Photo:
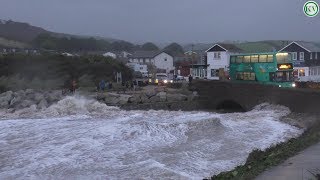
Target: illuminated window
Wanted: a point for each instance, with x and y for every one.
(311, 55)
(270, 58)
(301, 58)
(263, 58)
(246, 59)
(302, 72)
(254, 58)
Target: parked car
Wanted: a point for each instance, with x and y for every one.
(162, 78)
(180, 78)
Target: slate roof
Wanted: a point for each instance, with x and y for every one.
(310, 46)
(146, 54)
(228, 47)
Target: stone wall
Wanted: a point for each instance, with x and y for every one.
(213, 93)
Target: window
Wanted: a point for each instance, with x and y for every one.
(254, 58)
(239, 59)
(233, 59)
(302, 72)
(311, 55)
(270, 58)
(283, 76)
(141, 68)
(301, 58)
(147, 60)
(294, 55)
(316, 55)
(247, 76)
(263, 58)
(214, 72)
(246, 59)
(217, 55)
(165, 59)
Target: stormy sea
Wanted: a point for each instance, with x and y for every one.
(80, 138)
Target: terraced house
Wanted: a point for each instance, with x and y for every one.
(306, 59)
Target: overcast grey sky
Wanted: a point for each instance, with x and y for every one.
(169, 20)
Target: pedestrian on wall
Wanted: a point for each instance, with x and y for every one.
(102, 85)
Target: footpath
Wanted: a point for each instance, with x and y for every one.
(299, 167)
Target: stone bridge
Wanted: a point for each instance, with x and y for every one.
(239, 96)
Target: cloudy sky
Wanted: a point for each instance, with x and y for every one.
(166, 21)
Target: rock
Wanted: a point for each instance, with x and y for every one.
(53, 96)
(42, 104)
(111, 99)
(25, 104)
(38, 97)
(123, 99)
(195, 93)
(154, 99)
(15, 101)
(176, 97)
(162, 96)
(144, 98)
(132, 99)
(29, 91)
(5, 99)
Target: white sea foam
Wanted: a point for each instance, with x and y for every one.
(83, 139)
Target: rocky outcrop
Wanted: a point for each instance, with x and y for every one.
(144, 98)
(26, 98)
(43, 99)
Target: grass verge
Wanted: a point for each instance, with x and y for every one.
(258, 161)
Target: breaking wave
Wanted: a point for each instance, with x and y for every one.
(79, 137)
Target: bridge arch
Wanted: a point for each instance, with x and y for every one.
(229, 105)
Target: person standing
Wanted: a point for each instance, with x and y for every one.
(102, 85)
(190, 78)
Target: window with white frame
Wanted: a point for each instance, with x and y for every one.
(294, 55)
(217, 55)
(301, 58)
(311, 55)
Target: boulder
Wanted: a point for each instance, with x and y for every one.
(5, 99)
(111, 99)
(144, 98)
(38, 97)
(162, 96)
(25, 104)
(176, 97)
(42, 104)
(15, 101)
(154, 99)
(123, 99)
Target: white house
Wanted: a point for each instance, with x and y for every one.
(161, 60)
(110, 54)
(138, 67)
(218, 57)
